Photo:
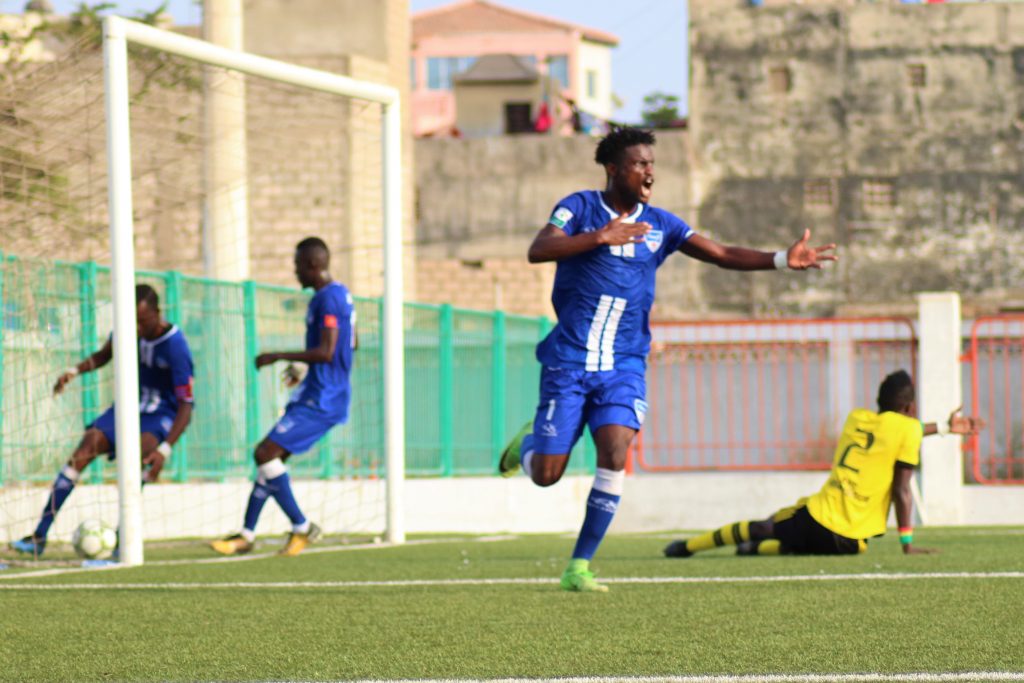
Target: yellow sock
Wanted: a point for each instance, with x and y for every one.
(769, 546)
(730, 534)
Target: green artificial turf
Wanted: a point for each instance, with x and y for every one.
(154, 632)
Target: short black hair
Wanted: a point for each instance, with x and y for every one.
(311, 243)
(611, 147)
(896, 392)
(145, 293)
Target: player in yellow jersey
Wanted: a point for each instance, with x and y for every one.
(873, 465)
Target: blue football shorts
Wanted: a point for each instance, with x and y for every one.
(570, 399)
(301, 426)
(157, 424)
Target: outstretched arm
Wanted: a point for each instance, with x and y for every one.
(903, 501)
(322, 353)
(93, 362)
(799, 256)
(552, 244)
(957, 424)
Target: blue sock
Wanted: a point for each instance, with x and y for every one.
(602, 503)
(281, 489)
(257, 499)
(62, 487)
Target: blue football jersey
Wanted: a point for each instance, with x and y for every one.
(326, 385)
(165, 372)
(603, 297)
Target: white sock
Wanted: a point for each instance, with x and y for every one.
(248, 535)
(301, 528)
(71, 473)
(272, 470)
(609, 481)
(526, 462)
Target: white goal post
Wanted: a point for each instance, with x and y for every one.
(117, 34)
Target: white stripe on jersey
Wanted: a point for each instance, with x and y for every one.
(604, 307)
(601, 337)
(610, 330)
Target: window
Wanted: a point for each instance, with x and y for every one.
(917, 74)
(819, 194)
(780, 79)
(878, 196)
(441, 70)
(591, 83)
(517, 118)
(528, 60)
(412, 73)
(558, 69)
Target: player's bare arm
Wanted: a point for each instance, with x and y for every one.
(957, 424)
(93, 362)
(321, 353)
(799, 256)
(154, 459)
(903, 502)
(552, 244)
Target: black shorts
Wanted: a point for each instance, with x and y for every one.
(800, 534)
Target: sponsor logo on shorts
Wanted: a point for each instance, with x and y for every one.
(284, 425)
(640, 408)
(548, 429)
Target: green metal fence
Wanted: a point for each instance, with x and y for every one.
(471, 377)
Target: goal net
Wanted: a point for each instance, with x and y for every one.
(197, 169)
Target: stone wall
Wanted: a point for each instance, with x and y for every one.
(314, 160)
(894, 130)
(480, 202)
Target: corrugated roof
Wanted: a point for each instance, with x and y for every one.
(480, 16)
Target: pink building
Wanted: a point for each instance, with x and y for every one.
(447, 41)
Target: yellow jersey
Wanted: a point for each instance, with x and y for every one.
(854, 502)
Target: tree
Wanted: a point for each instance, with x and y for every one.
(660, 110)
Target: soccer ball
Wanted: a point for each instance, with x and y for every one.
(94, 540)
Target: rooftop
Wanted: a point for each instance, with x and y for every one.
(481, 16)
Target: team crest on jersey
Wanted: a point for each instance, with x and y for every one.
(640, 408)
(560, 217)
(653, 240)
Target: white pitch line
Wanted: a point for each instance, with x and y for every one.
(59, 571)
(440, 583)
(920, 677)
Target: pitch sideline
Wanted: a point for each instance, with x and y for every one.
(441, 583)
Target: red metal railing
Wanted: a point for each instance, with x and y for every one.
(762, 395)
(995, 353)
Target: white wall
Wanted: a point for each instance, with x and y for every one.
(663, 502)
(595, 57)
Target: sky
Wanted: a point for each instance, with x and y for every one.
(651, 56)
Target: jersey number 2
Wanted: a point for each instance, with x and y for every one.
(846, 452)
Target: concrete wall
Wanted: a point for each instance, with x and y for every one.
(949, 149)
(480, 202)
